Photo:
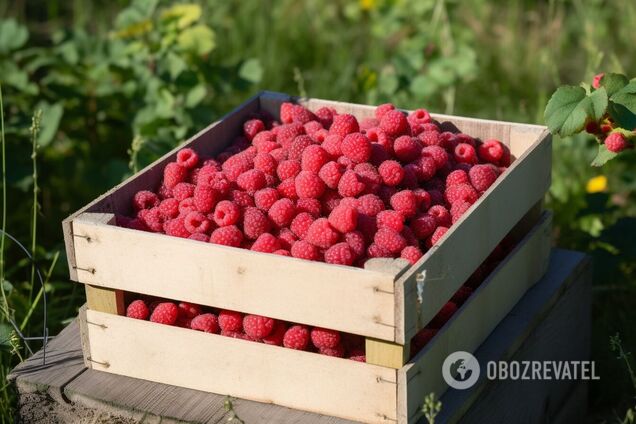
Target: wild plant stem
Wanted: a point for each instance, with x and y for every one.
(35, 302)
(35, 129)
(5, 303)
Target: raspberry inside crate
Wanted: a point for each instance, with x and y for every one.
(387, 302)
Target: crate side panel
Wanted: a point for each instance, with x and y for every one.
(249, 370)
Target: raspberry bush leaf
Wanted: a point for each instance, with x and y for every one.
(613, 83)
(626, 97)
(603, 156)
(599, 103)
(621, 115)
(568, 110)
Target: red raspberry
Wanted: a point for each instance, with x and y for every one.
(152, 218)
(344, 218)
(337, 352)
(443, 315)
(333, 145)
(350, 184)
(226, 213)
(287, 188)
(390, 240)
(277, 335)
(378, 136)
(241, 198)
(286, 238)
(340, 254)
(491, 151)
(346, 162)
(313, 158)
(465, 153)
(370, 205)
(205, 198)
(441, 215)
(458, 209)
(279, 154)
(305, 250)
(169, 208)
(461, 295)
(368, 226)
(265, 163)
(311, 206)
(138, 310)
(187, 158)
(205, 322)
(200, 237)
(391, 172)
(322, 234)
(188, 310)
(426, 168)
(174, 174)
(288, 169)
(298, 146)
(325, 116)
(357, 147)
(356, 243)
(266, 243)
(196, 222)
(214, 179)
(230, 320)
(282, 212)
(358, 355)
(227, 236)
(596, 82)
(176, 228)
(265, 198)
(405, 201)
(251, 181)
(429, 138)
(344, 124)
(301, 223)
(458, 176)
(263, 137)
(423, 198)
(145, 200)
(382, 109)
(437, 235)
(312, 127)
(286, 134)
(421, 339)
(411, 254)
(236, 165)
(165, 313)
(187, 205)
(616, 142)
(325, 338)
(368, 123)
(286, 115)
(407, 148)
(296, 337)
(465, 138)
(301, 114)
(482, 176)
(394, 123)
(252, 127)
(411, 173)
(436, 153)
(330, 174)
(391, 219)
(423, 226)
(255, 223)
(182, 191)
(308, 184)
(461, 193)
(375, 251)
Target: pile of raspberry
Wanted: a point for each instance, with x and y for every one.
(323, 186)
(249, 327)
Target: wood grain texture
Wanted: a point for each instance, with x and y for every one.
(386, 354)
(255, 371)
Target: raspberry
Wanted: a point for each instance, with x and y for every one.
(282, 212)
(441, 215)
(482, 176)
(286, 238)
(176, 228)
(616, 142)
(227, 236)
(370, 205)
(423, 226)
(423, 198)
(466, 139)
(426, 168)
(288, 169)
(266, 243)
(421, 339)
(382, 109)
(350, 184)
(301, 114)
(596, 82)
(187, 158)
(205, 198)
(205, 322)
(165, 313)
(375, 251)
(263, 137)
(252, 127)
(358, 355)
(152, 218)
(187, 205)
(418, 116)
(443, 315)
(199, 237)
(429, 138)
(411, 254)
(344, 218)
(321, 234)
(333, 145)
(461, 193)
(325, 116)
(265, 163)
(304, 250)
(407, 148)
(188, 310)
(325, 338)
(461, 295)
(230, 320)
(298, 146)
(337, 352)
(437, 235)
(145, 200)
(226, 213)
(357, 147)
(390, 219)
(391, 172)
(174, 174)
(368, 226)
(491, 151)
(344, 124)
(277, 335)
(458, 176)
(313, 158)
(311, 206)
(368, 123)
(308, 184)
(279, 154)
(390, 240)
(255, 223)
(301, 223)
(169, 208)
(196, 222)
(312, 127)
(378, 136)
(394, 123)
(465, 153)
(137, 309)
(286, 109)
(257, 326)
(241, 199)
(236, 165)
(458, 209)
(346, 162)
(405, 201)
(356, 243)
(216, 180)
(287, 188)
(251, 181)
(182, 191)
(296, 337)
(330, 174)
(436, 153)
(265, 198)
(286, 134)
(340, 254)
(411, 172)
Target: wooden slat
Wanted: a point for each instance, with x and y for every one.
(241, 368)
(474, 321)
(386, 354)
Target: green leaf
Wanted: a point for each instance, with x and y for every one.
(622, 116)
(603, 156)
(51, 116)
(568, 110)
(175, 65)
(184, 14)
(626, 96)
(599, 103)
(12, 35)
(195, 96)
(613, 82)
(198, 39)
(251, 70)
(6, 334)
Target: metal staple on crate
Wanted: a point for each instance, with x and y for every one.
(90, 270)
(88, 238)
(97, 325)
(104, 364)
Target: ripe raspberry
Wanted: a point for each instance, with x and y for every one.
(322, 234)
(375, 251)
(138, 310)
(411, 254)
(378, 136)
(370, 204)
(336, 352)
(230, 320)
(288, 169)
(421, 339)
(312, 127)
(187, 205)
(241, 198)
(423, 226)
(426, 168)
(330, 174)
(263, 137)
(199, 237)
(340, 254)
(265, 163)
(357, 147)
(255, 223)
(252, 127)
(429, 138)
(391, 172)
(461, 193)
(390, 240)
(616, 142)
(482, 176)
(282, 212)
(205, 322)
(357, 355)
(298, 146)
(344, 124)
(165, 313)
(308, 184)
(286, 115)
(205, 198)
(465, 138)
(407, 148)
(325, 116)
(437, 235)
(465, 153)
(187, 158)
(182, 191)
(304, 250)
(279, 154)
(265, 198)
(286, 238)
(286, 134)
(461, 295)
(356, 243)
(423, 198)
(266, 243)
(443, 315)
(257, 326)
(344, 218)
(368, 226)
(251, 181)
(346, 162)
(296, 337)
(458, 176)
(436, 153)
(491, 151)
(152, 218)
(411, 173)
(176, 227)
(277, 335)
(394, 123)
(405, 201)
(391, 219)
(350, 184)
(236, 165)
(169, 208)
(301, 114)
(145, 200)
(174, 174)
(382, 109)
(196, 222)
(188, 310)
(313, 158)
(226, 213)
(301, 223)
(458, 209)
(441, 215)
(325, 338)
(596, 82)
(333, 145)
(216, 180)
(368, 123)
(311, 206)
(227, 236)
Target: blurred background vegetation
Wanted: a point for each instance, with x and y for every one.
(119, 83)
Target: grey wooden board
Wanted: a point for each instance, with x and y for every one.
(550, 322)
